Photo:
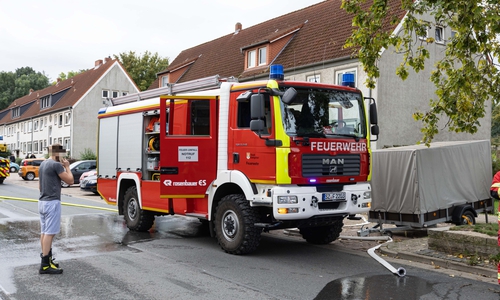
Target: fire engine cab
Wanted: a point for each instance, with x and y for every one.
(245, 158)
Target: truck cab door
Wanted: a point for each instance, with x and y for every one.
(188, 145)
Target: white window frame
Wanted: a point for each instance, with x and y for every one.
(426, 32)
(67, 118)
(35, 125)
(16, 112)
(105, 94)
(339, 73)
(115, 94)
(262, 56)
(314, 78)
(164, 80)
(60, 118)
(439, 30)
(67, 144)
(252, 58)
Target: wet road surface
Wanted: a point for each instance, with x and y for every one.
(101, 258)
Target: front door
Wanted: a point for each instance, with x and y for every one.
(188, 149)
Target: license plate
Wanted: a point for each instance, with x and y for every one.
(335, 196)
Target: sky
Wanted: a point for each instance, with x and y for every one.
(55, 36)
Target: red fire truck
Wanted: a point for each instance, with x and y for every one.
(245, 158)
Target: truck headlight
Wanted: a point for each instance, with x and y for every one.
(367, 195)
(287, 200)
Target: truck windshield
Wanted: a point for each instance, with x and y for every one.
(322, 112)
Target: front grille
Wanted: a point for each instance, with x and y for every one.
(314, 165)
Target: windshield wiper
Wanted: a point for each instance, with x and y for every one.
(347, 135)
(312, 134)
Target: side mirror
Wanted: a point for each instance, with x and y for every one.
(257, 107)
(373, 112)
(257, 125)
(375, 129)
(289, 96)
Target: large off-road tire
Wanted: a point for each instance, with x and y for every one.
(136, 218)
(234, 225)
(322, 235)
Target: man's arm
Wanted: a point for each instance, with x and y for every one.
(66, 176)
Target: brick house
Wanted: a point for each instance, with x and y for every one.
(309, 44)
(64, 113)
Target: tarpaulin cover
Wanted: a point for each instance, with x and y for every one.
(419, 179)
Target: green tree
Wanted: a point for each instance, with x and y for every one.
(465, 78)
(64, 76)
(142, 69)
(14, 85)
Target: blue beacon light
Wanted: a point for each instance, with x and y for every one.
(348, 80)
(276, 72)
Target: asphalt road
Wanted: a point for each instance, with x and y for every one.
(101, 258)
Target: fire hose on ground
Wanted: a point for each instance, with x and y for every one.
(401, 272)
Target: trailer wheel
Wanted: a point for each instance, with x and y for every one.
(136, 218)
(467, 218)
(322, 235)
(234, 225)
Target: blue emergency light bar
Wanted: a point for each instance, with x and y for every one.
(348, 80)
(276, 72)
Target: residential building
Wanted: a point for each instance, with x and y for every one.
(64, 113)
(309, 43)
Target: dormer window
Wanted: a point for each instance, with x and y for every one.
(45, 102)
(256, 57)
(16, 112)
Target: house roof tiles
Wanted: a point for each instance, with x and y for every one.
(322, 31)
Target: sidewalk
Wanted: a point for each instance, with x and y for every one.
(413, 246)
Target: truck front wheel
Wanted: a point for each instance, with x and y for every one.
(136, 218)
(322, 235)
(234, 225)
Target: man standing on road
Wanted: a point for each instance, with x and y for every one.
(51, 172)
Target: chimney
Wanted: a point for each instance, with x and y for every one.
(238, 27)
(98, 62)
(106, 59)
(58, 80)
(31, 91)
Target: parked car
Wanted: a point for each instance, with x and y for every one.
(78, 168)
(89, 183)
(14, 168)
(28, 170)
(89, 173)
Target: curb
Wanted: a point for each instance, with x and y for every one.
(452, 265)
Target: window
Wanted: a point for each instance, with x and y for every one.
(35, 144)
(36, 125)
(30, 126)
(262, 56)
(67, 118)
(105, 93)
(41, 123)
(257, 57)
(453, 34)
(124, 93)
(425, 34)
(67, 144)
(313, 78)
(251, 59)
(164, 80)
(44, 102)
(115, 94)
(339, 74)
(439, 34)
(16, 112)
(60, 119)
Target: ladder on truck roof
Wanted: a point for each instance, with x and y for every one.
(211, 82)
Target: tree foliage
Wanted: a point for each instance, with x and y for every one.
(465, 78)
(14, 85)
(142, 69)
(64, 76)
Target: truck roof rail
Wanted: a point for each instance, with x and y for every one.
(211, 82)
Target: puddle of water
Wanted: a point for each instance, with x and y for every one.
(375, 287)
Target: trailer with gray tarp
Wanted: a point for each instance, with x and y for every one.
(419, 186)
